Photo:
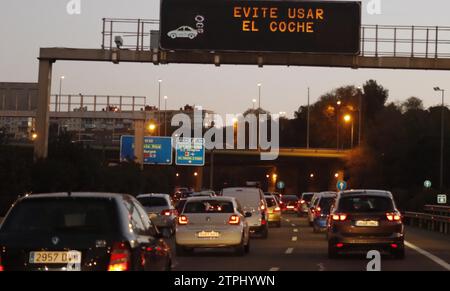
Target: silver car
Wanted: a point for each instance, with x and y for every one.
(314, 204)
(161, 211)
(212, 222)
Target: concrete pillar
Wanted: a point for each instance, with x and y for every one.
(198, 180)
(139, 127)
(42, 113)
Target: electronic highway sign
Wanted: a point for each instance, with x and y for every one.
(261, 26)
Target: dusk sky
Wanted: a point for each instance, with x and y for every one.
(27, 25)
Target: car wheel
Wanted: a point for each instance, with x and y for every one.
(332, 253)
(399, 254)
(247, 247)
(173, 36)
(240, 249)
(265, 233)
(191, 36)
(315, 230)
(182, 251)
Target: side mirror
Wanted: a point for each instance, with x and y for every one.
(248, 214)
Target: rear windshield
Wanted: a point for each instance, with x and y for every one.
(153, 201)
(180, 205)
(74, 215)
(363, 204)
(307, 197)
(325, 204)
(271, 202)
(289, 198)
(245, 198)
(209, 206)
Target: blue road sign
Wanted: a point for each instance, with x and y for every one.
(126, 148)
(190, 151)
(157, 150)
(341, 185)
(280, 185)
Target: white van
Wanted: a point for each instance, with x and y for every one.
(252, 200)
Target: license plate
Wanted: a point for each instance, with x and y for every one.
(372, 223)
(72, 257)
(208, 234)
(290, 207)
(152, 215)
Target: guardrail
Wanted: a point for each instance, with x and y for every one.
(428, 221)
(438, 209)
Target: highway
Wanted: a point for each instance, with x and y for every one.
(294, 247)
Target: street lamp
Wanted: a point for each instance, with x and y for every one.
(159, 104)
(254, 103)
(152, 127)
(441, 173)
(259, 95)
(348, 118)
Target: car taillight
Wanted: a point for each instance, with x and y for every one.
(395, 216)
(277, 209)
(1, 266)
(120, 258)
(168, 212)
(339, 217)
(234, 219)
(183, 220)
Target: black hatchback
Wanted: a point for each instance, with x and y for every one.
(81, 232)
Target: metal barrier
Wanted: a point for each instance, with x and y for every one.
(376, 40)
(438, 209)
(428, 221)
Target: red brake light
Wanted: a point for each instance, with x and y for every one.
(120, 258)
(395, 216)
(183, 220)
(168, 212)
(234, 220)
(339, 217)
(339, 245)
(1, 266)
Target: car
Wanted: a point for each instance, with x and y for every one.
(179, 205)
(209, 193)
(305, 201)
(274, 210)
(81, 232)
(313, 205)
(365, 220)
(161, 211)
(322, 212)
(275, 194)
(289, 203)
(183, 32)
(212, 222)
(252, 200)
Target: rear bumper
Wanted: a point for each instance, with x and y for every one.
(162, 221)
(321, 223)
(396, 238)
(188, 238)
(258, 229)
(274, 217)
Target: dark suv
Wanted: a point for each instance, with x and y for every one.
(81, 232)
(365, 219)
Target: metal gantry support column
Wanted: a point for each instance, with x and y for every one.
(43, 112)
(139, 126)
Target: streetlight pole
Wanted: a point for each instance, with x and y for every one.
(441, 172)
(165, 116)
(338, 104)
(60, 93)
(307, 124)
(259, 95)
(360, 116)
(353, 123)
(159, 107)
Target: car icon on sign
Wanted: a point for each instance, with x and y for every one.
(183, 32)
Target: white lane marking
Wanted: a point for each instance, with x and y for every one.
(295, 230)
(274, 269)
(293, 225)
(294, 238)
(432, 257)
(287, 220)
(321, 267)
(289, 251)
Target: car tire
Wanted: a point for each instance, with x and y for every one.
(191, 36)
(247, 247)
(173, 36)
(240, 249)
(182, 251)
(332, 252)
(315, 230)
(399, 254)
(265, 233)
